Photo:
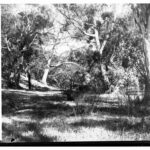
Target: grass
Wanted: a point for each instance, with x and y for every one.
(50, 118)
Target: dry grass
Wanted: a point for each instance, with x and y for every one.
(28, 118)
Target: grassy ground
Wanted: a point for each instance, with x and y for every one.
(38, 117)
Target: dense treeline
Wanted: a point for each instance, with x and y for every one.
(77, 47)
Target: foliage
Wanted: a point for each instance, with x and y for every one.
(22, 37)
(107, 58)
(112, 46)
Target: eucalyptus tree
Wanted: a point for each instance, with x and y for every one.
(22, 36)
(58, 41)
(90, 22)
(141, 13)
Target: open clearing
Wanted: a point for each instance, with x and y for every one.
(48, 117)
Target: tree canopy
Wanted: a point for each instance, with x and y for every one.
(61, 44)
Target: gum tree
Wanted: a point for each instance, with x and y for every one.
(141, 14)
(22, 37)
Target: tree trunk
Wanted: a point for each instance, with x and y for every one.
(29, 80)
(100, 48)
(147, 62)
(145, 30)
(46, 71)
(147, 92)
(17, 76)
(98, 45)
(17, 79)
(147, 65)
(44, 78)
(104, 74)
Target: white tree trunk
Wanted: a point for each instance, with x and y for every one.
(44, 78)
(98, 45)
(147, 56)
(46, 71)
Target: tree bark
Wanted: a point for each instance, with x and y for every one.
(17, 79)
(147, 91)
(98, 45)
(17, 76)
(45, 75)
(147, 61)
(145, 31)
(46, 71)
(100, 48)
(29, 80)
(147, 77)
(104, 74)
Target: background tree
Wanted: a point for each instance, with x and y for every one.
(111, 50)
(104, 35)
(22, 38)
(94, 24)
(141, 14)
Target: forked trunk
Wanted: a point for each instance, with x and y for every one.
(100, 48)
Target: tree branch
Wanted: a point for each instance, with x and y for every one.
(7, 41)
(103, 46)
(80, 27)
(33, 40)
(88, 34)
(68, 62)
(137, 20)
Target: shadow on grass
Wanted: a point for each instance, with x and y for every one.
(115, 124)
(12, 103)
(14, 132)
(122, 111)
(38, 107)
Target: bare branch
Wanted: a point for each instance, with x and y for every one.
(68, 62)
(33, 40)
(80, 27)
(5, 47)
(139, 70)
(90, 24)
(88, 34)
(137, 20)
(7, 43)
(103, 46)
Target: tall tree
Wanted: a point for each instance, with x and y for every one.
(91, 23)
(142, 19)
(54, 41)
(22, 38)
